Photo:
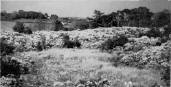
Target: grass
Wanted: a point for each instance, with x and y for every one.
(69, 66)
(7, 26)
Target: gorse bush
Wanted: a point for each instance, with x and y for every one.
(5, 48)
(58, 25)
(11, 69)
(41, 45)
(112, 43)
(27, 30)
(162, 32)
(19, 27)
(10, 66)
(67, 43)
(154, 32)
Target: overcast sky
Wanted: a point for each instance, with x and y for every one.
(81, 8)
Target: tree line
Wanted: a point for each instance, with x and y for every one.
(136, 17)
(23, 14)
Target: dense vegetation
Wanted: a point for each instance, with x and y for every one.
(128, 46)
(136, 17)
(31, 61)
(23, 14)
(20, 28)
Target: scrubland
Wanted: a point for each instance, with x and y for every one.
(142, 61)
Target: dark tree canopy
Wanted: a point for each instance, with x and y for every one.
(136, 17)
(23, 14)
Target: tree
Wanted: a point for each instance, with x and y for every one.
(46, 15)
(54, 17)
(97, 20)
(161, 19)
(58, 25)
(80, 24)
(19, 27)
(98, 14)
(3, 13)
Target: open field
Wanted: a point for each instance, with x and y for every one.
(7, 26)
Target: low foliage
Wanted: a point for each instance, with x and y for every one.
(28, 30)
(67, 43)
(156, 58)
(112, 43)
(12, 66)
(5, 47)
(20, 28)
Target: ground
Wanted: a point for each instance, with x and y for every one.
(66, 67)
(133, 65)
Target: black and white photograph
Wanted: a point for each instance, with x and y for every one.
(85, 43)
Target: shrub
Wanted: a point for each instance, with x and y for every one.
(11, 66)
(77, 43)
(80, 24)
(19, 27)
(112, 43)
(70, 44)
(116, 58)
(58, 25)
(11, 70)
(8, 66)
(154, 32)
(27, 30)
(156, 58)
(41, 44)
(166, 75)
(5, 47)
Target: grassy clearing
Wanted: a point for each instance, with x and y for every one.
(66, 67)
(7, 26)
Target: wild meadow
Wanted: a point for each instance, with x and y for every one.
(121, 52)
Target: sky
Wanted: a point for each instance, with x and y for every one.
(81, 8)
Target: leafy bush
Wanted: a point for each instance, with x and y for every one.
(80, 24)
(70, 44)
(41, 44)
(157, 58)
(11, 70)
(27, 30)
(19, 27)
(58, 25)
(137, 44)
(5, 47)
(11, 66)
(112, 43)
(10, 82)
(154, 32)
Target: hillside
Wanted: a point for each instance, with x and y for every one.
(141, 62)
(90, 38)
